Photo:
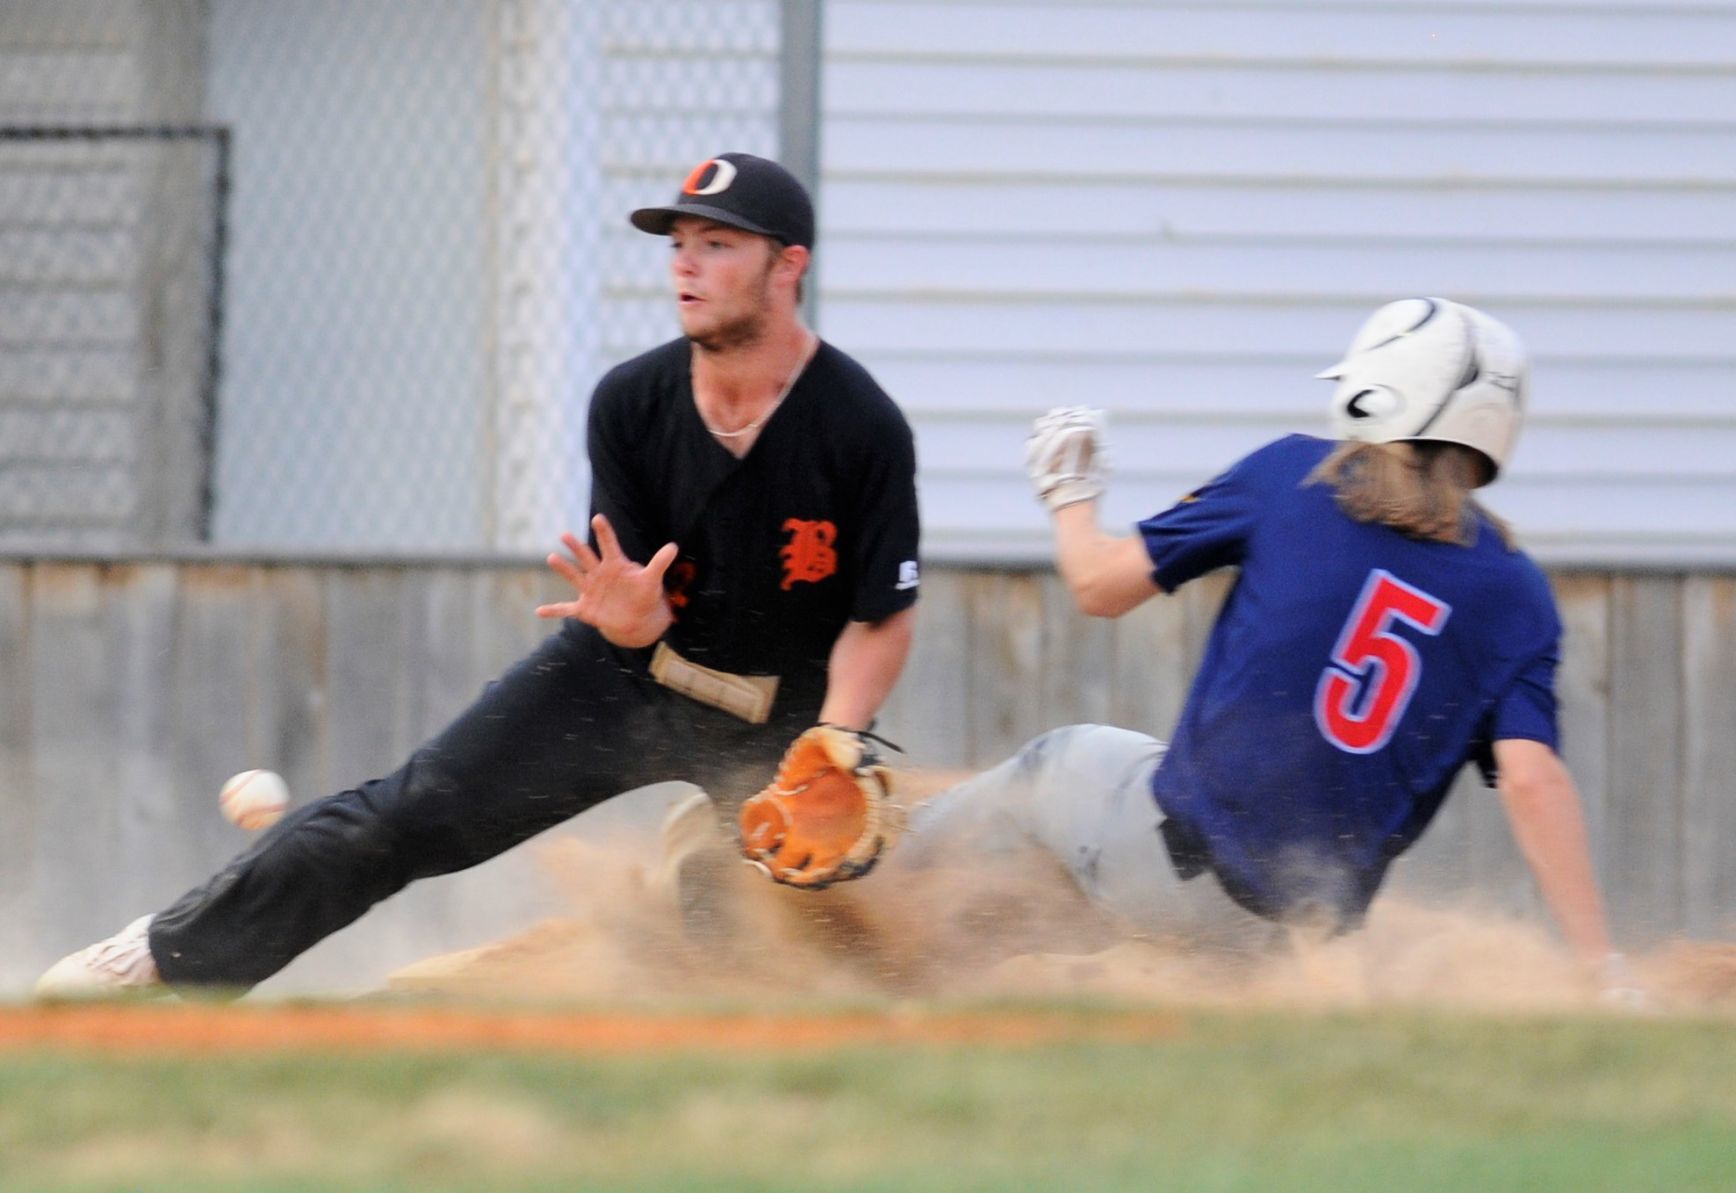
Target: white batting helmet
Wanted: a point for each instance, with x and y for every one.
(1426, 369)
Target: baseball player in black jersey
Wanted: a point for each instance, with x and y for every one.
(751, 571)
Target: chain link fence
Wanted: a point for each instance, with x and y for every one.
(109, 327)
(338, 275)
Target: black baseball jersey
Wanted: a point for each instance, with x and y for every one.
(815, 526)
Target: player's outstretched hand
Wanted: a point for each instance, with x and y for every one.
(623, 599)
(1065, 456)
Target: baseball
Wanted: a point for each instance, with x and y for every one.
(254, 799)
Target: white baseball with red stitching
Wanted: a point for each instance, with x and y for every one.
(254, 799)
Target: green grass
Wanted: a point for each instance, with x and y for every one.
(1338, 1103)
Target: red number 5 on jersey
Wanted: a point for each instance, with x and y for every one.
(1374, 672)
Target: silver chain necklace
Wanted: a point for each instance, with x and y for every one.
(756, 424)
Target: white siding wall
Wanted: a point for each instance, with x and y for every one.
(1178, 211)
(1181, 211)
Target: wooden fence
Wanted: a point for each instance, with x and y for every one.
(128, 691)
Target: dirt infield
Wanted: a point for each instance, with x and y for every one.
(200, 1028)
(991, 936)
(1014, 932)
(1682, 978)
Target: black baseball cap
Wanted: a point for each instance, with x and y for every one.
(743, 191)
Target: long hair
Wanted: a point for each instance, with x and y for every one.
(1419, 489)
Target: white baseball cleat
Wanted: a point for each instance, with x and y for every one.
(119, 965)
(689, 827)
(698, 858)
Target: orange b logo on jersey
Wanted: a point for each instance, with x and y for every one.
(808, 556)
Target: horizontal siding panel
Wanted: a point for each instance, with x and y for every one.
(970, 387)
(1143, 446)
(50, 539)
(1180, 211)
(699, 28)
(970, 546)
(1109, 268)
(1138, 450)
(35, 256)
(70, 24)
(45, 317)
(58, 375)
(68, 85)
(1312, 35)
(1570, 7)
(1439, 7)
(1238, 387)
(64, 494)
(624, 189)
(1668, 514)
(997, 505)
(1250, 327)
(75, 157)
(65, 436)
(1396, 215)
(1613, 345)
(995, 517)
(1669, 455)
(666, 147)
(91, 194)
(635, 85)
(1376, 151)
(1116, 268)
(1417, 93)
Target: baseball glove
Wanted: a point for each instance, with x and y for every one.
(826, 816)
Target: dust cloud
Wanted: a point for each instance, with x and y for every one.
(644, 928)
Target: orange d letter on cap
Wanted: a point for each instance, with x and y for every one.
(721, 174)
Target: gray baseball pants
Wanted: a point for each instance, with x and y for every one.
(1083, 794)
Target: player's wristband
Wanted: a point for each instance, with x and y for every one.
(1071, 492)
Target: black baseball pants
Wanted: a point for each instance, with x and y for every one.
(574, 723)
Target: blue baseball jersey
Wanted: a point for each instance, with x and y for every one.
(1352, 672)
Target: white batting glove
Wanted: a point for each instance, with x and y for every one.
(1066, 457)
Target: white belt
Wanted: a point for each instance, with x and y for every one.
(746, 696)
